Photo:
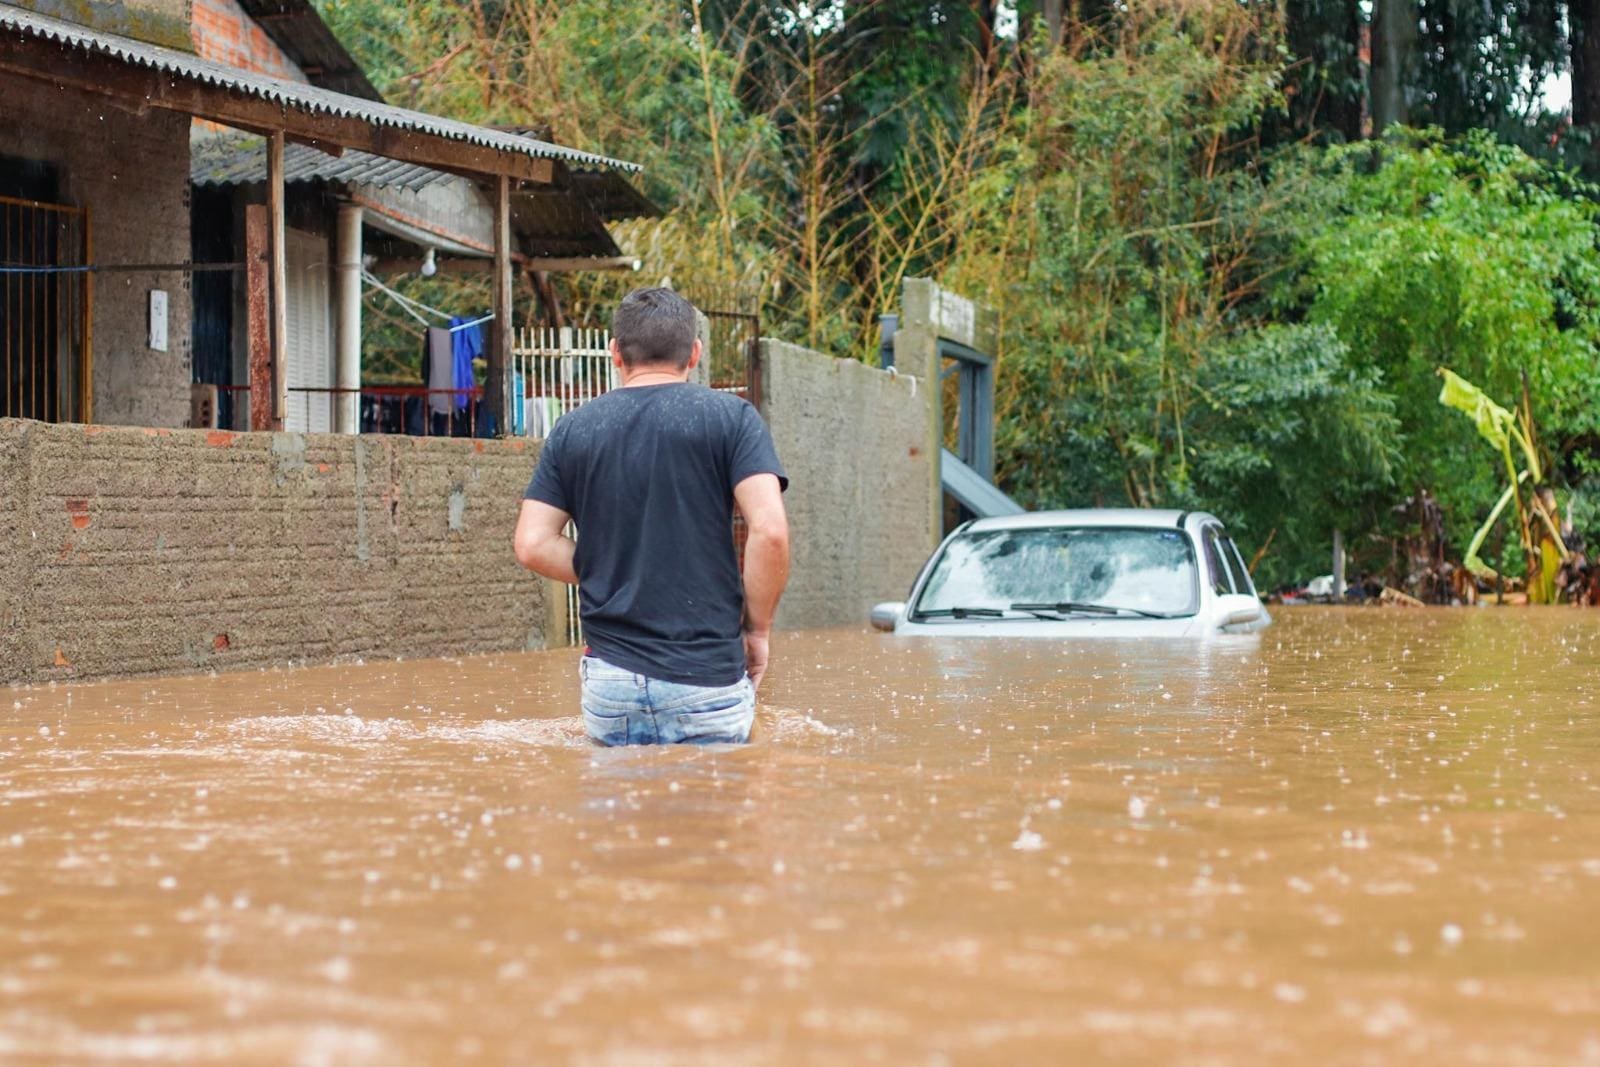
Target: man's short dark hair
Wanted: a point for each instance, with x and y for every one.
(653, 327)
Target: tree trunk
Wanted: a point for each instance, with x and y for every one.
(1584, 16)
(1344, 110)
(1326, 88)
(985, 12)
(1052, 21)
(1394, 38)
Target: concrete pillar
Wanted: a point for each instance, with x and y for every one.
(701, 375)
(927, 315)
(348, 298)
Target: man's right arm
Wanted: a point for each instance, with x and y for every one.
(541, 543)
(766, 563)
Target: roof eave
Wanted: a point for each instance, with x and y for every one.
(140, 75)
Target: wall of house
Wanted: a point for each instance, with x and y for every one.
(163, 22)
(854, 440)
(132, 172)
(223, 33)
(128, 551)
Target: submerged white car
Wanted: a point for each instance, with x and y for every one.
(1106, 572)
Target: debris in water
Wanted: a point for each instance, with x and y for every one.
(1028, 841)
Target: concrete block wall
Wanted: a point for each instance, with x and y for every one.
(129, 551)
(855, 441)
(132, 173)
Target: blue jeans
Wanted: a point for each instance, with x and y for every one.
(623, 708)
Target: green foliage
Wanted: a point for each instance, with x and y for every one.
(1207, 299)
(1467, 253)
(1126, 235)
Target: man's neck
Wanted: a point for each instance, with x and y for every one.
(633, 377)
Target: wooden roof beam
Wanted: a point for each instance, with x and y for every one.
(146, 87)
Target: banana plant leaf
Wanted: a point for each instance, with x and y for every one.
(1495, 424)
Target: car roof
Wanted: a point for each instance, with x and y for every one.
(1153, 518)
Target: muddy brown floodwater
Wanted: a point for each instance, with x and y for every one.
(1365, 836)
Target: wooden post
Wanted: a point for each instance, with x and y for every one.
(500, 335)
(278, 281)
(258, 300)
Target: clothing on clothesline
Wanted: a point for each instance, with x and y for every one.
(441, 370)
(466, 337)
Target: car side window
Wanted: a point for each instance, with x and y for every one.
(1236, 567)
(1215, 569)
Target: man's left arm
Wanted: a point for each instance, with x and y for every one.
(541, 543)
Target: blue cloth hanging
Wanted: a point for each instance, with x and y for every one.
(466, 345)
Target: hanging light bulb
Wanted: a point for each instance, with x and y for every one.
(429, 266)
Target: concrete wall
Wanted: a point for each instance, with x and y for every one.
(127, 551)
(132, 173)
(855, 441)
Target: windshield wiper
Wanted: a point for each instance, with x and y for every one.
(961, 613)
(1091, 609)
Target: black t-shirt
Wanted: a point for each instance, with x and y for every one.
(647, 474)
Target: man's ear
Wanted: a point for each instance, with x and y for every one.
(616, 353)
(694, 354)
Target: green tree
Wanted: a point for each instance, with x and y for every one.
(1128, 235)
(1466, 253)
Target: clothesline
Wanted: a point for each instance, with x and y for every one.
(475, 322)
(413, 307)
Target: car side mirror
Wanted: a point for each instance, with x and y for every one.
(886, 615)
(1239, 609)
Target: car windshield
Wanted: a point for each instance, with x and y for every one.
(1144, 571)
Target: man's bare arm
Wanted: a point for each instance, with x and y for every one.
(540, 543)
(766, 563)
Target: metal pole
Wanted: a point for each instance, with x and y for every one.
(887, 325)
(348, 412)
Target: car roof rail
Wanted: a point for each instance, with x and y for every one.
(1183, 517)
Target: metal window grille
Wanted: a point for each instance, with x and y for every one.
(46, 300)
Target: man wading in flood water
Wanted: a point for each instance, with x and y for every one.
(650, 474)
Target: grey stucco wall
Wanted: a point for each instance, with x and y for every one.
(132, 173)
(129, 551)
(854, 440)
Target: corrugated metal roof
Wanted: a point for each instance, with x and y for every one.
(590, 196)
(229, 160)
(295, 95)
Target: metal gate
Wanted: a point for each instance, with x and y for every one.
(554, 371)
(733, 355)
(46, 296)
